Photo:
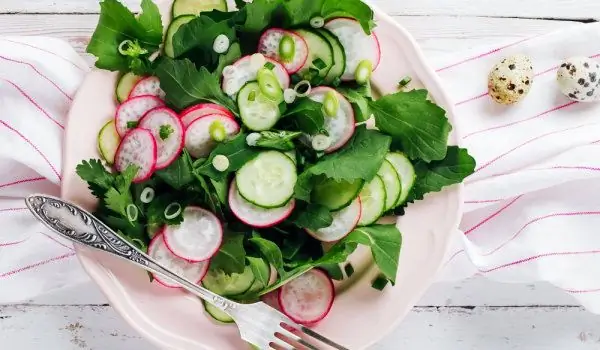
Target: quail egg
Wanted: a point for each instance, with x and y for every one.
(510, 80)
(579, 79)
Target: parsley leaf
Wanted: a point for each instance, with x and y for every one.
(433, 177)
(419, 125)
(313, 217)
(236, 150)
(165, 131)
(185, 85)
(306, 115)
(231, 257)
(118, 24)
(155, 211)
(278, 140)
(95, 174)
(385, 242)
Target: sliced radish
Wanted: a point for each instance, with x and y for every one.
(147, 86)
(269, 43)
(197, 238)
(344, 221)
(341, 126)
(357, 45)
(194, 272)
(131, 111)
(197, 136)
(271, 299)
(256, 216)
(138, 148)
(246, 70)
(189, 115)
(308, 298)
(168, 133)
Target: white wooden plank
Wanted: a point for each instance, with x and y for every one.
(558, 328)
(449, 34)
(574, 9)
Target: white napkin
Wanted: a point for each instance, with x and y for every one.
(38, 78)
(532, 209)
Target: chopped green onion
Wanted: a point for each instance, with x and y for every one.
(132, 125)
(321, 143)
(317, 22)
(147, 195)
(252, 139)
(289, 95)
(172, 211)
(217, 131)
(319, 64)
(165, 131)
(269, 65)
(221, 163)
(303, 88)
(252, 96)
(132, 212)
(331, 104)
(349, 269)
(336, 82)
(269, 85)
(379, 283)
(363, 72)
(405, 81)
(221, 44)
(287, 48)
(124, 46)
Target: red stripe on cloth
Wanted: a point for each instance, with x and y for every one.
(583, 291)
(483, 54)
(36, 265)
(34, 103)
(526, 143)
(18, 182)
(8, 244)
(454, 256)
(34, 147)
(536, 220)
(485, 201)
(13, 209)
(44, 50)
(536, 257)
(498, 212)
(40, 73)
(57, 241)
(472, 99)
(554, 109)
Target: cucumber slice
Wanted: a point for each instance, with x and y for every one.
(268, 180)
(173, 28)
(125, 84)
(265, 270)
(292, 155)
(108, 142)
(258, 112)
(336, 195)
(227, 285)
(372, 198)
(319, 49)
(194, 7)
(391, 181)
(216, 314)
(405, 171)
(339, 56)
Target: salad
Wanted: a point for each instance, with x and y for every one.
(249, 153)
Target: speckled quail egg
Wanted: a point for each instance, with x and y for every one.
(510, 80)
(579, 79)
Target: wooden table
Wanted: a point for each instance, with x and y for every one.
(474, 314)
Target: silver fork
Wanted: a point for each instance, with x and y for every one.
(259, 324)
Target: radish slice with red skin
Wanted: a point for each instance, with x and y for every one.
(308, 298)
(137, 148)
(170, 147)
(378, 61)
(197, 238)
(269, 43)
(357, 44)
(256, 216)
(341, 126)
(132, 110)
(189, 115)
(197, 135)
(194, 272)
(244, 71)
(148, 86)
(271, 299)
(344, 222)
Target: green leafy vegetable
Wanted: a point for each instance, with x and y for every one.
(419, 125)
(231, 56)
(313, 217)
(185, 85)
(258, 15)
(334, 271)
(306, 115)
(350, 8)
(180, 173)
(238, 153)
(155, 212)
(270, 251)
(278, 140)
(95, 174)
(231, 257)
(259, 273)
(360, 103)
(380, 283)
(165, 131)
(349, 269)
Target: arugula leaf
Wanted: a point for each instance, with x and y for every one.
(259, 273)
(300, 12)
(278, 140)
(231, 257)
(185, 85)
(360, 103)
(385, 242)
(418, 124)
(180, 173)
(361, 158)
(313, 217)
(95, 174)
(236, 150)
(350, 8)
(433, 177)
(258, 15)
(270, 251)
(306, 115)
(210, 197)
(118, 24)
(221, 190)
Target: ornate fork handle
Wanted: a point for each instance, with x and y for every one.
(79, 226)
